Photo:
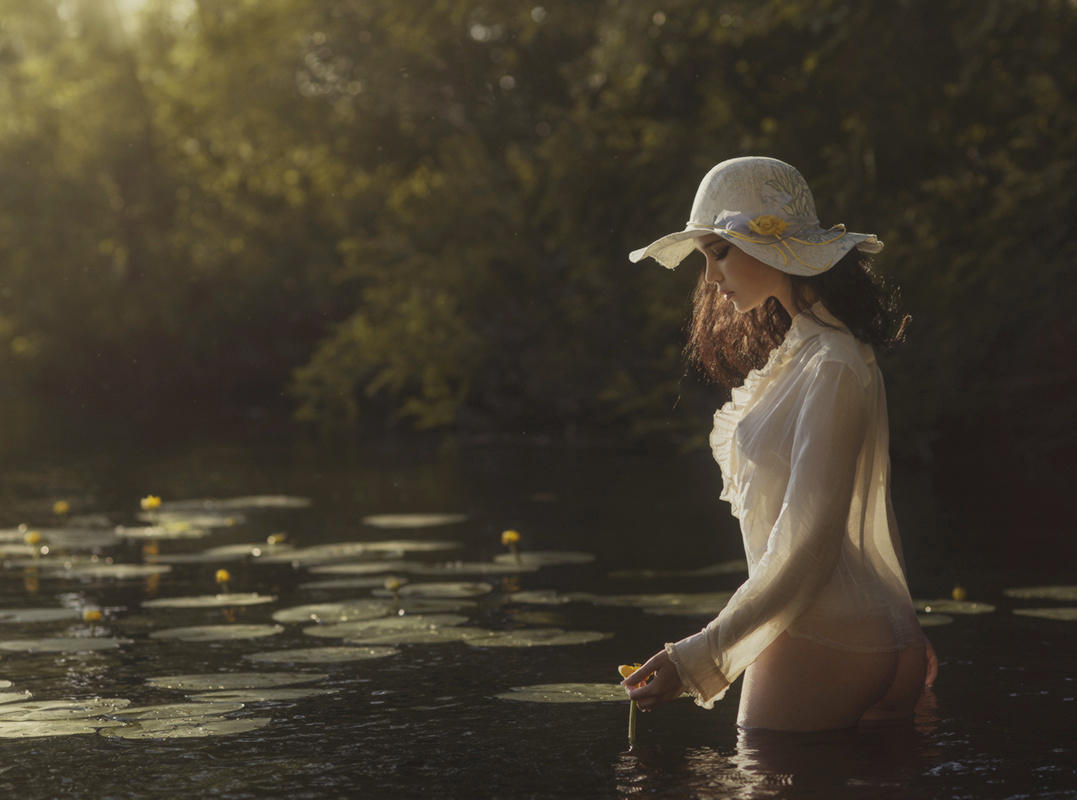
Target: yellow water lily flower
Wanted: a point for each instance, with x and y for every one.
(222, 577)
(392, 584)
(91, 615)
(625, 670)
(61, 507)
(510, 538)
(768, 225)
(959, 593)
(150, 502)
(276, 538)
(32, 538)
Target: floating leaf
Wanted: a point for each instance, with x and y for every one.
(540, 597)
(367, 568)
(176, 711)
(330, 613)
(248, 696)
(38, 614)
(387, 626)
(933, 620)
(49, 710)
(153, 532)
(545, 558)
(62, 644)
(113, 571)
(319, 554)
(342, 583)
(262, 501)
(567, 693)
(1063, 593)
(472, 568)
(1058, 614)
(232, 552)
(693, 603)
(14, 697)
(193, 518)
(412, 520)
(210, 601)
(537, 637)
(321, 655)
(218, 633)
(191, 728)
(32, 730)
(945, 605)
(219, 681)
(444, 590)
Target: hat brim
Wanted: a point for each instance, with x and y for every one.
(804, 254)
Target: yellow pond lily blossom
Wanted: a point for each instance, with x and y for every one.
(768, 225)
(150, 502)
(625, 670)
(276, 538)
(511, 539)
(91, 615)
(61, 507)
(222, 577)
(959, 593)
(32, 538)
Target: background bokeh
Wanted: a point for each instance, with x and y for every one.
(360, 218)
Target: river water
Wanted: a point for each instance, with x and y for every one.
(427, 720)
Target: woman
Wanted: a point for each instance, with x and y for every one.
(824, 629)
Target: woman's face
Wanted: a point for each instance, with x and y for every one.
(742, 279)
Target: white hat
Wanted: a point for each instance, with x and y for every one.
(764, 207)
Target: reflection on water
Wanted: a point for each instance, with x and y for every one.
(875, 762)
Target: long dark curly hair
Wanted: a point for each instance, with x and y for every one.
(725, 345)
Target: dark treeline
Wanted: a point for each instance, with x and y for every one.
(370, 214)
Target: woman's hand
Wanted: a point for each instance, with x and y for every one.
(665, 686)
(932, 663)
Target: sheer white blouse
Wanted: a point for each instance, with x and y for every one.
(803, 446)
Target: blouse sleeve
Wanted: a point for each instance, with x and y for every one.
(802, 546)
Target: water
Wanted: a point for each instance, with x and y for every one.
(426, 722)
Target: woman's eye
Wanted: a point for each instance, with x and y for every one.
(720, 253)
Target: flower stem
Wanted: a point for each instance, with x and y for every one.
(631, 723)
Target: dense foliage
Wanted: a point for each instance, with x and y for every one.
(392, 212)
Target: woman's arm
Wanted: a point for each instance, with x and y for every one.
(802, 546)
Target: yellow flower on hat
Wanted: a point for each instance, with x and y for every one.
(768, 225)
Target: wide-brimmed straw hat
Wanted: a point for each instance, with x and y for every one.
(764, 207)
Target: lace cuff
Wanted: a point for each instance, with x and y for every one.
(698, 672)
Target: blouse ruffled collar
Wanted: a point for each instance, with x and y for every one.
(802, 328)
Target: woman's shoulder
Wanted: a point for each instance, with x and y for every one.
(828, 341)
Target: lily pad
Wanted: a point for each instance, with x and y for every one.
(736, 567)
(38, 614)
(947, 606)
(321, 553)
(231, 552)
(545, 558)
(220, 681)
(412, 520)
(667, 603)
(189, 728)
(62, 644)
(261, 501)
(114, 571)
(444, 590)
(331, 613)
(155, 532)
(210, 601)
(567, 693)
(1063, 593)
(14, 697)
(248, 696)
(218, 633)
(1058, 614)
(34, 730)
(540, 597)
(51, 710)
(934, 620)
(455, 568)
(388, 626)
(410, 546)
(342, 583)
(175, 711)
(321, 655)
(367, 568)
(193, 518)
(537, 637)
(77, 539)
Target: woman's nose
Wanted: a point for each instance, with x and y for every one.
(712, 275)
